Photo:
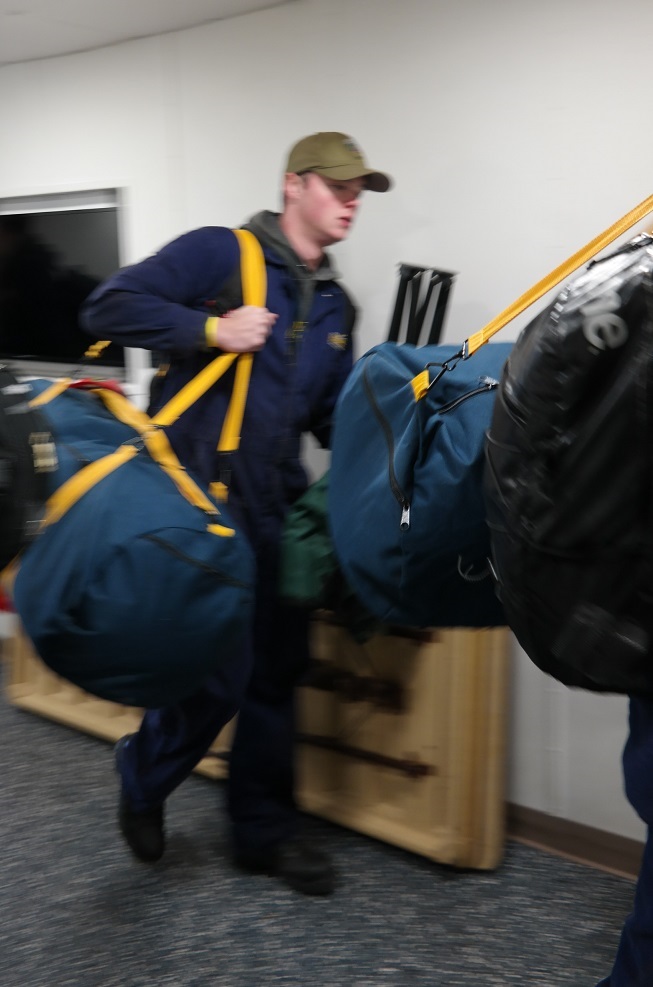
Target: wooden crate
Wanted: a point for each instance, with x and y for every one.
(402, 739)
(407, 743)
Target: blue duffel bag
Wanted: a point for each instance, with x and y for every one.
(407, 507)
(132, 591)
(138, 585)
(405, 494)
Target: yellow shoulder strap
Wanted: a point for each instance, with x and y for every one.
(557, 275)
(254, 286)
(254, 283)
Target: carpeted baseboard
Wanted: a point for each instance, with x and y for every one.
(584, 844)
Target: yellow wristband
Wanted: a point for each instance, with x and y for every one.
(211, 331)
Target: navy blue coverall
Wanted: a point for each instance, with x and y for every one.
(162, 304)
(633, 966)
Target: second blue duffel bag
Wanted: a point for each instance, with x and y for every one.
(405, 493)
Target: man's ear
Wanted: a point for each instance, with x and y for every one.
(292, 186)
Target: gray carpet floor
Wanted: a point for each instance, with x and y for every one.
(77, 911)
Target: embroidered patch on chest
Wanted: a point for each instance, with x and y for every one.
(337, 340)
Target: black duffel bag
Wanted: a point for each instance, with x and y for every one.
(569, 479)
(27, 460)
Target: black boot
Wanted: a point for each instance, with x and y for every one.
(143, 831)
(300, 865)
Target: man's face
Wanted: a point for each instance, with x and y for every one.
(327, 207)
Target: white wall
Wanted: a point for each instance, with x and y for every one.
(516, 132)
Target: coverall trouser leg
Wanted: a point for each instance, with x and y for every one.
(633, 966)
(172, 741)
(261, 763)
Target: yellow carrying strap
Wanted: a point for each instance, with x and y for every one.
(558, 274)
(157, 444)
(254, 287)
(57, 388)
(254, 284)
(80, 483)
(159, 448)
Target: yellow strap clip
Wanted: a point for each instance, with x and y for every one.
(420, 385)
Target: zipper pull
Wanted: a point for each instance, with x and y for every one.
(296, 330)
(294, 335)
(405, 516)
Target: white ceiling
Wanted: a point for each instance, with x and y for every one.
(32, 29)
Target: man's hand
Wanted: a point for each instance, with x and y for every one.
(244, 330)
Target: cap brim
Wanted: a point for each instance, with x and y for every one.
(375, 181)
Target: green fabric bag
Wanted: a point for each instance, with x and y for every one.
(308, 562)
(310, 576)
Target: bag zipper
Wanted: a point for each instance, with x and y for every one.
(400, 496)
(197, 563)
(487, 384)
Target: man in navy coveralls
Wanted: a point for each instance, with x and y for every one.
(177, 303)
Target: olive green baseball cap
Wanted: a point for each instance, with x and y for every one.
(337, 156)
